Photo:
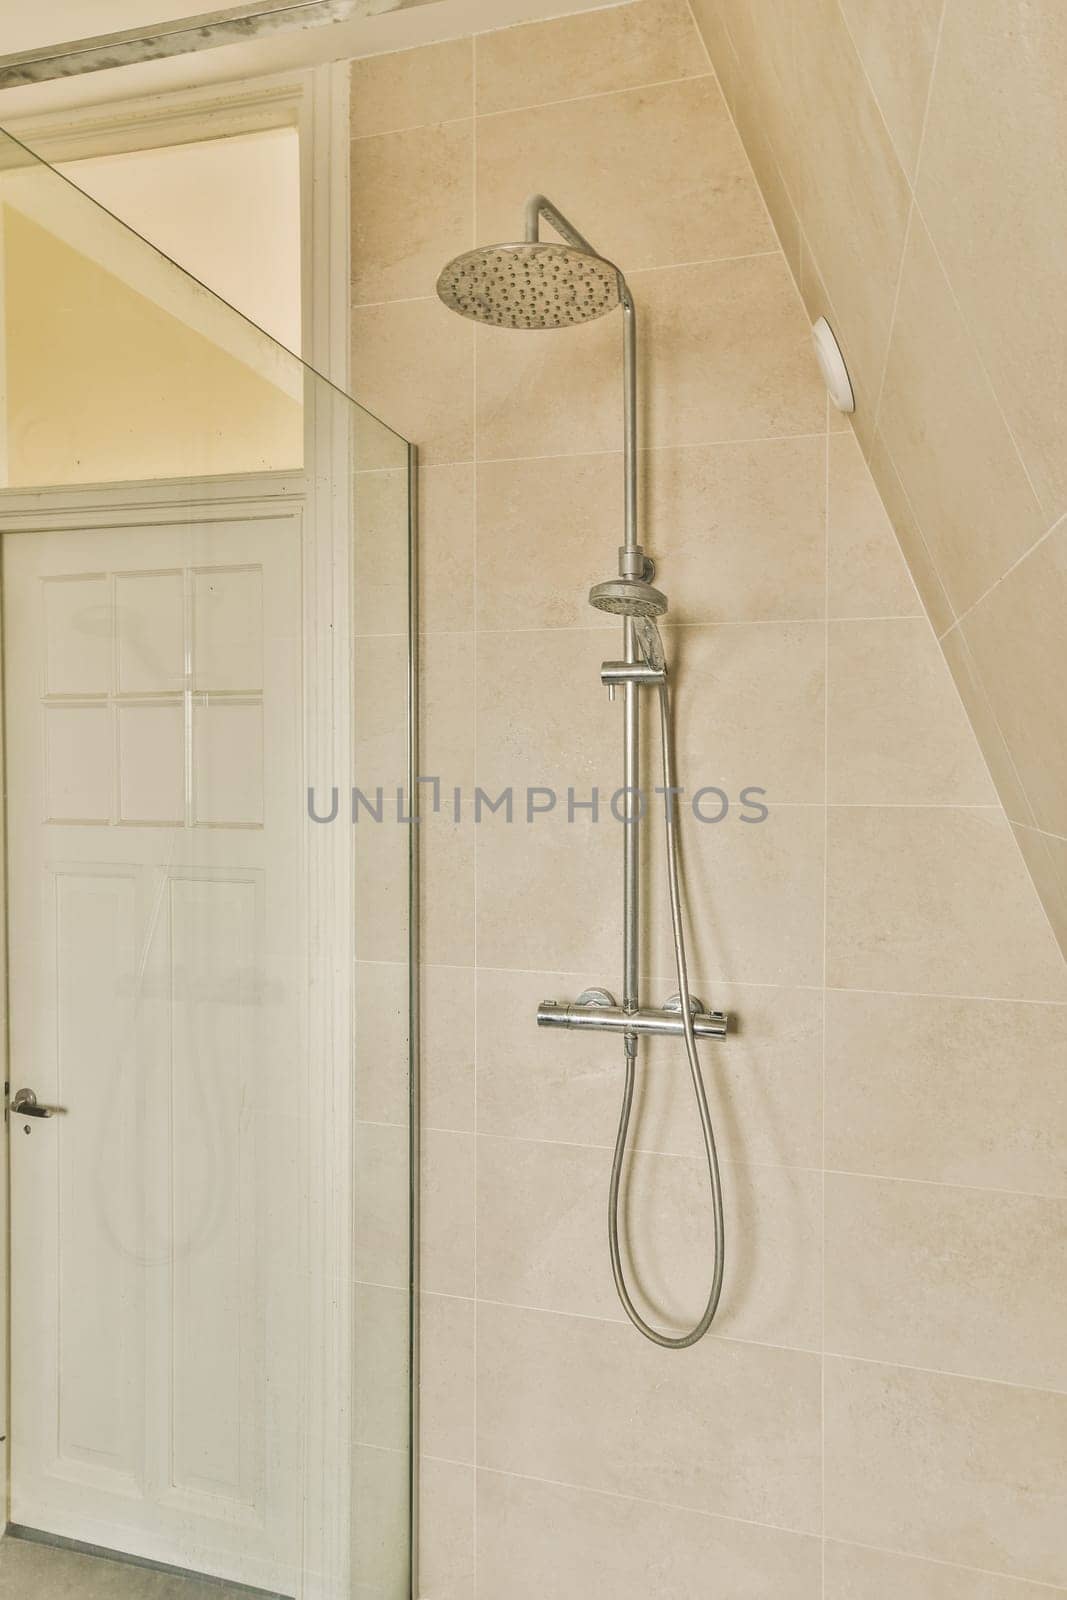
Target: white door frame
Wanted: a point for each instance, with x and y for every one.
(316, 102)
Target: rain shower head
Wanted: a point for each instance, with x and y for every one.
(530, 285)
(628, 597)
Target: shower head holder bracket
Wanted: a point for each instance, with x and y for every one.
(633, 563)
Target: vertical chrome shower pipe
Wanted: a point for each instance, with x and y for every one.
(631, 565)
(631, 845)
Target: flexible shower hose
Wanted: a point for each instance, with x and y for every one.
(681, 1341)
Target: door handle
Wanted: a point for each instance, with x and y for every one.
(25, 1104)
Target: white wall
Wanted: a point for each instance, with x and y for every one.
(227, 210)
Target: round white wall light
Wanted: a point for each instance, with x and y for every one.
(832, 366)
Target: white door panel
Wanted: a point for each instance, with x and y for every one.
(153, 704)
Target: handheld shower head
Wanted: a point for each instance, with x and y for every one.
(530, 285)
(634, 598)
(628, 597)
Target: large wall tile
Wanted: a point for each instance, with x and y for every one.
(935, 901)
(767, 169)
(763, 720)
(947, 439)
(382, 1409)
(754, 896)
(523, 738)
(674, 142)
(960, 1280)
(447, 1047)
(446, 710)
(726, 354)
(446, 1530)
(548, 891)
(996, 142)
(868, 576)
(1009, 1589)
(528, 401)
(379, 557)
(547, 531)
(979, 710)
(618, 47)
(896, 46)
(541, 1239)
(446, 885)
(763, 34)
(382, 1255)
(379, 1530)
(910, 537)
(725, 357)
(1046, 856)
(607, 1547)
(398, 250)
(1018, 639)
(446, 1376)
(738, 530)
(923, 1088)
(853, 1573)
(448, 1213)
(549, 1406)
(857, 176)
(411, 88)
(898, 734)
(381, 1041)
(446, 548)
(379, 743)
(763, 1081)
(949, 1468)
(413, 365)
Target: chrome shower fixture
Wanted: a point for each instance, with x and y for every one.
(538, 284)
(628, 597)
(530, 285)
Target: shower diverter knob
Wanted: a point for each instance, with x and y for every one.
(595, 997)
(696, 1007)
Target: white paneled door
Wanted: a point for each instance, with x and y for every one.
(152, 681)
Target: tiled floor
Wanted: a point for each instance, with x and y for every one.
(30, 1571)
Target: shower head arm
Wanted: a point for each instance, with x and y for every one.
(538, 206)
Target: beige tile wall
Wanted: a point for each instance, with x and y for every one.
(892, 1107)
(912, 156)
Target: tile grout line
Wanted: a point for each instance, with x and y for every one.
(631, 271)
(1059, 522)
(665, 1505)
(574, 455)
(722, 1516)
(911, 182)
(595, 94)
(964, 320)
(971, 338)
(879, 438)
(569, 628)
(652, 978)
(745, 983)
(857, 1174)
(812, 1351)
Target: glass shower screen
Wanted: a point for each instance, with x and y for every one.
(206, 649)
